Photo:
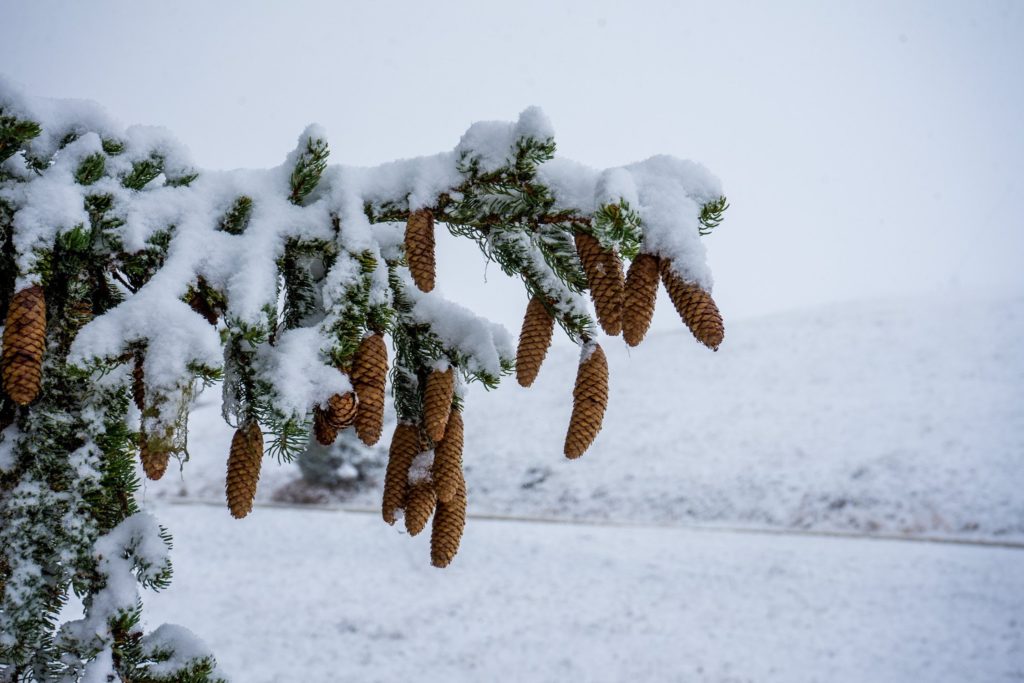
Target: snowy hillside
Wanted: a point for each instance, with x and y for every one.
(893, 416)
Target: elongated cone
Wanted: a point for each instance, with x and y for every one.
(139, 382)
(24, 340)
(446, 531)
(341, 409)
(607, 283)
(153, 456)
(323, 429)
(590, 398)
(369, 376)
(244, 469)
(405, 445)
(534, 340)
(419, 506)
(695, 306)
(641, 294)
(437, 402)
(447, 468)
(419, 248)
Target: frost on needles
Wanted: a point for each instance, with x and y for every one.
(128, 277)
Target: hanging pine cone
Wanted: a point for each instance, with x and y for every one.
(446, 531)
(323, 429)
(641, 293)
(341, 410)
(154, 456)
(24, 340)
(447, 468)
(534, 340)
(405, 446)
(419, 506)
(139, 382)
(244, 469)
(590, 398)
(437, 402)
(695, 306)
(607, 283)
(419, 248)
(369, 375)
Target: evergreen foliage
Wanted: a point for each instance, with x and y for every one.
(147, 266)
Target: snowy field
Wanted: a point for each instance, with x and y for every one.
(897, 417)
(342, 597)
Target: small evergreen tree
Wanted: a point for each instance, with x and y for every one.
(127, 276)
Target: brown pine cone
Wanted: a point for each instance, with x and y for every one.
(419, 248)
(405, 446)
(24, 341)
(641, 293)
(419, 506)
(323, 429)
(154, 456)
(437, 402)
(606, 281)
(695, 306)
(244, 469)
(447, 468)
(446, 531)
(369, 376)
(534, 340)
(139, 382)
(590, 398)
(341, 410)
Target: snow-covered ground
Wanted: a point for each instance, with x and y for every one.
(900, 417)
(314, 596)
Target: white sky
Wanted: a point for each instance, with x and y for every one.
(867, 148)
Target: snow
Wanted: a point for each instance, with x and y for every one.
(331, 596)
(297, 370)
(897, 416)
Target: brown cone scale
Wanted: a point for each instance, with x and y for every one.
(23, 344)
(419, 248)
(437, 402)
(695, 306)
(534, 340)
(341, 410)
(446, 531)
(154, 458)
(447, 468)
(405, 446)
(590, 398)
(640, 297)
(139, 382)
(244, 462)
(323, 429)
(607, 283)
(369, 376)
(419, 506)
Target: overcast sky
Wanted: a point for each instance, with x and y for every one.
(867, 148)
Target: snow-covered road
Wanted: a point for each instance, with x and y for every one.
(307, 595)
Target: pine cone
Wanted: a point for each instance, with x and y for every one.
(244, 469)
(604, 276)
(419, 248)
(341, 410)
(419, 506)
(695, 306)
(139, 382)
(24, 341)
(446, 531)
(590, 398)
(641, 293)
(437, 402)
(405, 446)
(323, 429)
(447, 468)
(534, 341)
(154, 456)
(369, 376)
